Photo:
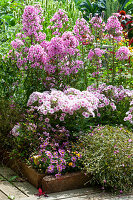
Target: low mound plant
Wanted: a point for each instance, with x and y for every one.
(107, 155)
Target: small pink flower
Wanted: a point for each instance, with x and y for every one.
(47, 120)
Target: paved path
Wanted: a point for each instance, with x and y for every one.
(15, 188)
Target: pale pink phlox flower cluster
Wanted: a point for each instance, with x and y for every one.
(114, 27)
(15, 131)
(56, 48)
(68, 67)
(97, 23)
(37, 56)
(113, 95)
(82, 31)
(123, 53)
(103, 99)
(70, 41)
(67, 102)
(129, 114)
(96, 53)
(32, 19)
(59, 19)
(17, 43)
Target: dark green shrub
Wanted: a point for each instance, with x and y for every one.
(107, 155)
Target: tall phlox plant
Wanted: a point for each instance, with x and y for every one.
(82, 31)
(32, 19)
(58, 57)
(59, 21)
(97, 26)
(114, 28)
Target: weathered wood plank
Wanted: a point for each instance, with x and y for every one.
(3, 196)
(26, 187)
(6, 172)
(11, 190)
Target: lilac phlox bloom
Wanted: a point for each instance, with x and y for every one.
(114, 27)
(97, 52)
(123, 53)
(82, 31)
(32, 19)
(15, 131)
(17, 43)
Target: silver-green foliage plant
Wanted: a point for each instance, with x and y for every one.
(112, 6)
(107, 155)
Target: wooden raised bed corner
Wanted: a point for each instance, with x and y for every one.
(49, 183)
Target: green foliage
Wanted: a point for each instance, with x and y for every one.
(122, 3)
(87, 7)
(107, 156)
(129, 8)
(112, 6)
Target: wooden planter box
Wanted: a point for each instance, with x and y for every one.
(69, 181)
(49, 184)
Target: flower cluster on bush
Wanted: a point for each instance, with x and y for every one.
(49, 149)
(113, 95)
(82, 31)
(32, 19)
(97, 26)
(60, 21)
(123, 53)
(114, 28)
(108, 156)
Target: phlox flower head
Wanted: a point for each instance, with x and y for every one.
(114, 27)
(97, 52)
(56, 48)
(123, 53)
(69, 40)
(17, 43)
(32, 18)
(59, 20)
(15, 131)
(82, 31)
(97, 23)
(37, 55)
